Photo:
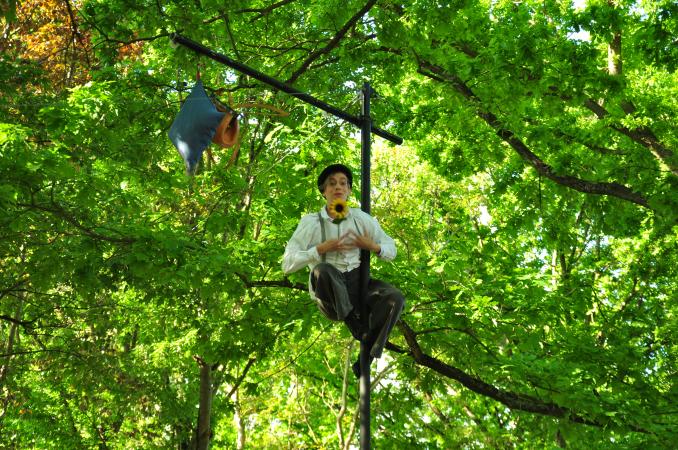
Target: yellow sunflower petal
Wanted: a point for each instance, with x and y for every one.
(339, 209)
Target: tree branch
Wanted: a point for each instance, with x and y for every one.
(65, 215)
(23, 323)
(332, 43)
(513, 400)
(272, 283)
(45, 350)
(642, 135)
(263, 12)
(14, 287)
(242, 376)
(588, 187)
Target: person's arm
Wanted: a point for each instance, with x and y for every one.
(386, 243)
(300, 251)
(374, 239)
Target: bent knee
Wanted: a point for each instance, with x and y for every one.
(398, 300)
(322, 269)
(394, 297)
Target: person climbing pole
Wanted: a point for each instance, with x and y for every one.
(329, 243)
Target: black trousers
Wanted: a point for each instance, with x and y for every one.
(339, 292)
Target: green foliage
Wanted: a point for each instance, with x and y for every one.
(121, 277)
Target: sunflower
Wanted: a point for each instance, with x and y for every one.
(338, 209)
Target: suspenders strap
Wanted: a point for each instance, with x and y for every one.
(322, 234)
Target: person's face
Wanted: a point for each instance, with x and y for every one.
(336, 186)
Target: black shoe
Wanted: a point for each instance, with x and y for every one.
(358, 329)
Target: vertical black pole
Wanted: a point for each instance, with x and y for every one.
(366, 132)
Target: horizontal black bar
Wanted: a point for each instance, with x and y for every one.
(199, 48)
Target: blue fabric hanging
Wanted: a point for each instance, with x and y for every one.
(195, 125)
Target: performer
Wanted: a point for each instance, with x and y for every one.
(329, 243)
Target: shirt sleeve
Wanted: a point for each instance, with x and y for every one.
(388, 247)
(301, 249)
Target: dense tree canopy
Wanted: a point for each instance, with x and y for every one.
(534, 204)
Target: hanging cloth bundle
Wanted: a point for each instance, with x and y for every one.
(198, 123)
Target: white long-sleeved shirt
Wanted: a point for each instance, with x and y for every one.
(301, 249)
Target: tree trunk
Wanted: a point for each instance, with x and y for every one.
(344, 397)
(203, 432)
(614, 56)
(239, 422)
(5, 368)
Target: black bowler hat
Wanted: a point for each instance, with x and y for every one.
(334, 168)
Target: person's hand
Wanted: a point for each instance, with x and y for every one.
(363, 241)
(334, 245)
